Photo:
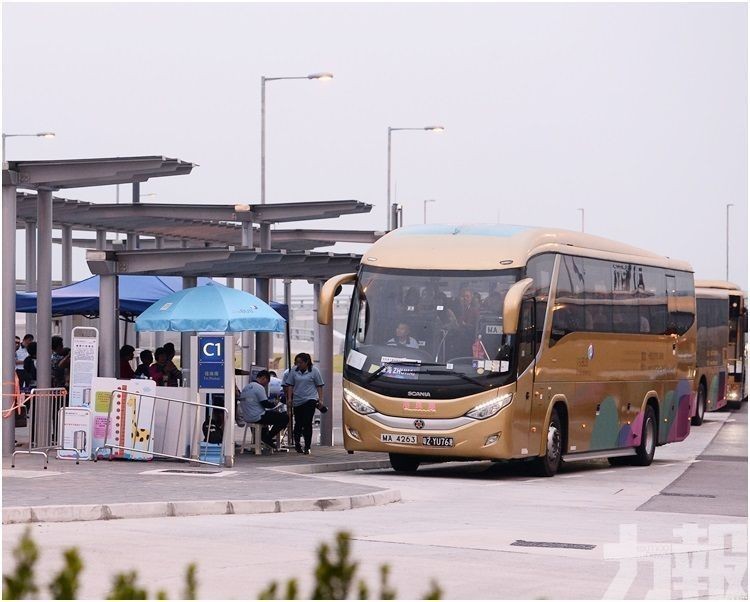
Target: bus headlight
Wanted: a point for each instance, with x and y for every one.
(490, 408)
(357, 404)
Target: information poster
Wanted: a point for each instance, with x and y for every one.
(76, 434)
(123, 413)
(84, 362)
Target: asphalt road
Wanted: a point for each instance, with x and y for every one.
(676, 529)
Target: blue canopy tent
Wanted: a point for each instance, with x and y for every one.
(137, 293)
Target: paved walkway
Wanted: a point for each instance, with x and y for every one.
(119, 489)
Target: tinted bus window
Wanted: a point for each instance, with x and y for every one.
(568, 314)
(651, 290)
(598, 295)
(625, 316)
(540, 269)
(681, 302)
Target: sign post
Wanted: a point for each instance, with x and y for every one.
(212, 361)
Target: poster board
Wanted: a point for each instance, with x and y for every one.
(76, 434)
(128, 423)
(84, 364)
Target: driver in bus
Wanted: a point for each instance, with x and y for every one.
(403, 337)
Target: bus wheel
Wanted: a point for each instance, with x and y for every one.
(404, 463)
(547, 465)
(700, 406)
(644, 453)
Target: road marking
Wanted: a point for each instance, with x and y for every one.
(29, 474)
(571, 476)
(606, 472)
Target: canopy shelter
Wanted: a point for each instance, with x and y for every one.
(136, 294)
(170, 224)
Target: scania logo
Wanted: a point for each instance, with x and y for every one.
(418, 424)
(418, 393)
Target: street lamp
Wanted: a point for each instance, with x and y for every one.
(581, 210)
(424, 205)
(319, 76)
(728, 206)
(429, 128)
(39, 135)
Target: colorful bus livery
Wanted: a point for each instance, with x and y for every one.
(506, 342)
(722, 323)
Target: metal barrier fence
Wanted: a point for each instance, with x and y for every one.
(46, 423)
(178, 424)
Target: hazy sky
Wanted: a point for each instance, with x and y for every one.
(637, 113)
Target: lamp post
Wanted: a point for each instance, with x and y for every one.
(582, 211)
(263, 80)
(39, 135)
(429, 128)
(424, 206)
(728, 206)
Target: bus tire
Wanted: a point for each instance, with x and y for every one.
(548, 464)
(404, 463)
(700, 406)
(644, 453)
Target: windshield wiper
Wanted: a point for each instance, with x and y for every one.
(459, 374)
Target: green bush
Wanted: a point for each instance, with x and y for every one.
(334, 578)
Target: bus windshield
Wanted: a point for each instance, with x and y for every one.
(436, 331)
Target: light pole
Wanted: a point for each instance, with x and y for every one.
(429, 128)
(39, 135)
(424, 206)
(581, 210)
(263, 80)
(728, 206)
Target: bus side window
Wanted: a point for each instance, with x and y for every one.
(568, 311)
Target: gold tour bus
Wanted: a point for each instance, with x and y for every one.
(722, 323)
(508, 342)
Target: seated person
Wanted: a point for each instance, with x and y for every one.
(403, 337)
(254, 404)
(163, 372)
(126, 356)
(147, 358)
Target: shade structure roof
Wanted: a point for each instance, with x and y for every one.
(206, 224)
(210, 308)
(136, 294)
(224, 262)
(79, 173)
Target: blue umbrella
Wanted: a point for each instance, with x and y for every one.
(210, 308)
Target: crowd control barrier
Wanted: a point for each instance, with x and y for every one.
(151, 425)
(46, 422)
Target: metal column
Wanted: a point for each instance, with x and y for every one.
(263, 350)
(187, 282)
(101, 239)
(109, 349)
(30, 271)
(44, 290)
(67, 278)
(288, 303)
(248, 343)
(325, 365)
(9, 311)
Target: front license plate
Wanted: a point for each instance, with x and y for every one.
(432, 441)
(394, 438)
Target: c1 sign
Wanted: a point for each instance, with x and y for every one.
(211, 356)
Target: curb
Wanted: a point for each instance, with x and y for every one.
(331, 466)
(90, 512)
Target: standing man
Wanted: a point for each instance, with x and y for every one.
(254, 406)
(59, 362)
(22, 353)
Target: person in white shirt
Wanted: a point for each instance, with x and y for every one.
(403, 337)
(254, 406)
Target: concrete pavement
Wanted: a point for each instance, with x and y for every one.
(282, 482)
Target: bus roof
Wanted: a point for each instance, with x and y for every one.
(717, 288)
(491, 247)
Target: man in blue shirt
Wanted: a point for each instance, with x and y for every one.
(254, 406)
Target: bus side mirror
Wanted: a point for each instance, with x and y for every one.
(512, 305)
(330, 289)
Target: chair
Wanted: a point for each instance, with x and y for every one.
(257, 430)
